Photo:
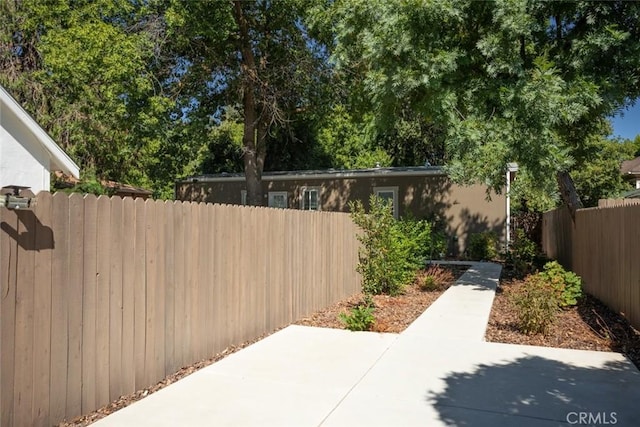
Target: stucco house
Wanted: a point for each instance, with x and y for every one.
(424, 192)
(28, 155)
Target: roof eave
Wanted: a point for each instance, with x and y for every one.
(347, 174)
(59, 160)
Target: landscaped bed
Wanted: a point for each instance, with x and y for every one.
(392, 313)
(589, 325)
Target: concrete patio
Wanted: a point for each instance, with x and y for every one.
(437, 372)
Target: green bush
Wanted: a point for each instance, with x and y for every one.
(483, 246)
(537, 305)
(428, 283)
(424, 243)
(361, 317)
(567, 284)
(386, 259)
(522, 253)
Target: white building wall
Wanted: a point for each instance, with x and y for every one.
(23, 160)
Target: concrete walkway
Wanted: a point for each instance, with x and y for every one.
(439, 372)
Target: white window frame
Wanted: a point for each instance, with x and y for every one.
(394, 191)
(303, 190)
(274, 194)
(243, 197)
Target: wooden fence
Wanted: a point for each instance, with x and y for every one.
(101, 297)
(609, 203)
(603, 246)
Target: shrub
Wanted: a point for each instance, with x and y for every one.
(522, 253)
(424, 241)
(427, 283)
(434, 277)
(361, 317)
(386, 259)
(483, 246)
(537, 304)
(567, 284)
(417, 236)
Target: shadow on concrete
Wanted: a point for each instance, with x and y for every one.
(537, 391)
(474, 278)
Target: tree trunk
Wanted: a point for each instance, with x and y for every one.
(568, 193)
(253, 151)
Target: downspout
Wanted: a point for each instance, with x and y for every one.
(511, 168)
(508, 233)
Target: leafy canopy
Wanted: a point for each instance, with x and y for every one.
(504, 81)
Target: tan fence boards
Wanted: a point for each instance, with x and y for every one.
(603, 247)
(105, 296)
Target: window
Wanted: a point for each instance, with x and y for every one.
(278, 199)
(310, 199)
(243, 197)
(390, 194)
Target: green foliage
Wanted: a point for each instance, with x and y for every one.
(392, 251)
(423, 243)
(344, 142)
(597, 172)
(543, 294)
(385, 259)
(93, 74)
(483, 246)
(428, 283)
(500, 81)
(522, 253)
(537, 305)
(360, 318)
(567, 284)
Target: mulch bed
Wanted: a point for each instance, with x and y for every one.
(588, 326)
(393, 314)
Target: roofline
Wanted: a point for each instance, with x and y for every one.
(341, 174)
(62, 160)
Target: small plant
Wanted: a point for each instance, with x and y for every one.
(523, 253)
(537, 304)
(483, 246)
(435, 277)
(566, 284)
(361, 317)
(427, 283)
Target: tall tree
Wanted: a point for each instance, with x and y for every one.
(91, 73)
(510, 80)
(256, 56)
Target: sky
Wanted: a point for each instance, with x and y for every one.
(629, 125)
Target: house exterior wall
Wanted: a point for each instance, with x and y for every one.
(462, 210)
(23, 160)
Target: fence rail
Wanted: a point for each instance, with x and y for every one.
(104, 296)
(603, 247)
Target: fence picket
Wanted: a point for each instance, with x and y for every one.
(74, 304)
(42, 311)
(8, 283)
(89, 301)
